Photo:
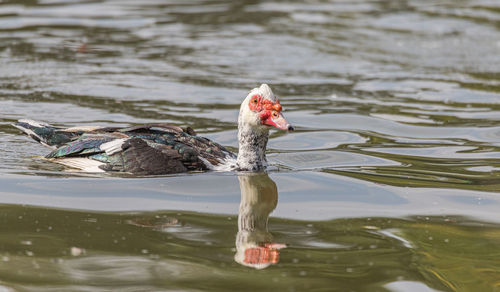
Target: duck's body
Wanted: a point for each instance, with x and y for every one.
(156, 149)
(146, 149)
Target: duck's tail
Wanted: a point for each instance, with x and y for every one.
(42, 132)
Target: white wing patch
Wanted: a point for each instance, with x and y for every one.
(113, 147)
(85, 164)
(82, 128)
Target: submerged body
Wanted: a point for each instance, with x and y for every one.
(156, 149)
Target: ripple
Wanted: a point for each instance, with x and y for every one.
(328, 159)
(315, 140)
(450, 152)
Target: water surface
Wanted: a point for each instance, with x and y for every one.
(390, 182)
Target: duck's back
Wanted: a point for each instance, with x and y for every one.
(151, 149)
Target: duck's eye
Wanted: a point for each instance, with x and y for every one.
(275, 114)
(255, 99)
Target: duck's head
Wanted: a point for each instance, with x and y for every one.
(261, 109)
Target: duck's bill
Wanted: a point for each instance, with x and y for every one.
(279, 122)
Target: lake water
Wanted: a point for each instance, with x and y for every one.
(391, 181)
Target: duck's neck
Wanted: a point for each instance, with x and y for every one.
(252, 148)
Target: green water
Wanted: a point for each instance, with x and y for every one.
(391, 181)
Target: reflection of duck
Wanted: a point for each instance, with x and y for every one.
(254, 244)
(163, 148)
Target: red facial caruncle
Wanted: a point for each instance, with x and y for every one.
(257, 104)
(269, 112)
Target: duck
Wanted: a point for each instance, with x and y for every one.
(161, 148)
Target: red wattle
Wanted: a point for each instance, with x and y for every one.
(265, 115)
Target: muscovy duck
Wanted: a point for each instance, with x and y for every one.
(156, 149)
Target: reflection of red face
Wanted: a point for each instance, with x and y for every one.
(269, 112)
(262, 255)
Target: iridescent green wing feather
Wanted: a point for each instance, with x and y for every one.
(84, 146)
